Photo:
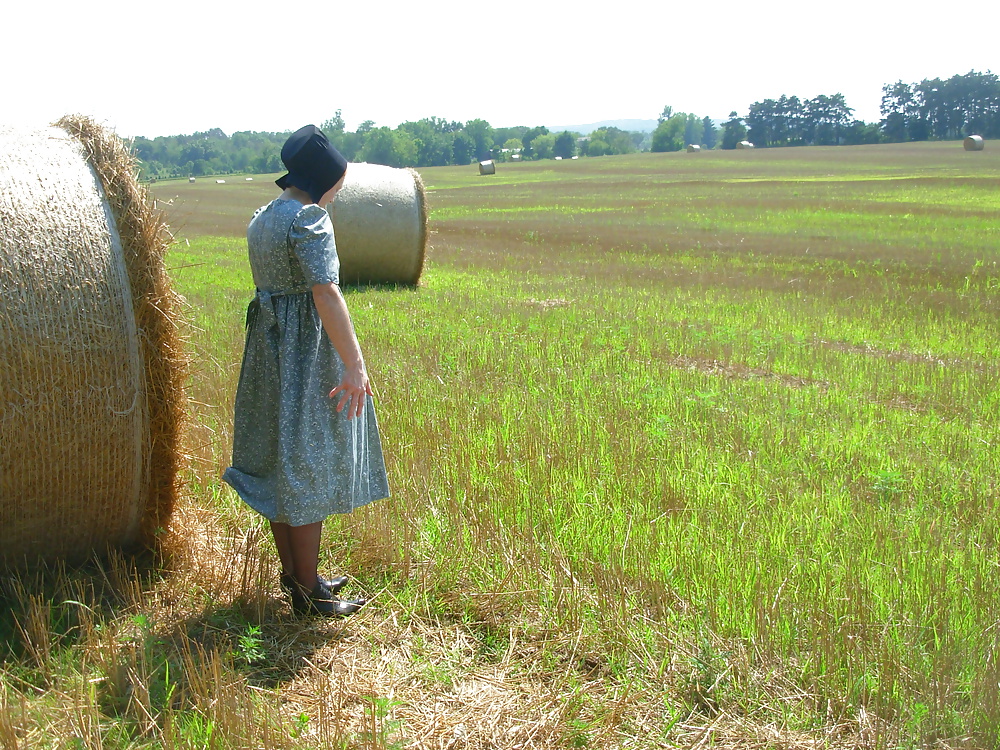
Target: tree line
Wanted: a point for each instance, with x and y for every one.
(933, 109)
(929, 110)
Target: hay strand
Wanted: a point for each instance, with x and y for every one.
(91, 367)
(380, 220)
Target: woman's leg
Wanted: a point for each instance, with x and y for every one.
(298, 550)
(283, 544)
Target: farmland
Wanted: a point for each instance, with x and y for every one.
(684, 449)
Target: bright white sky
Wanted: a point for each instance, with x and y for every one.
(181, 66)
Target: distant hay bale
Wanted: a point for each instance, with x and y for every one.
(91, 368)
(249, 179)
(974, 143)
(693, 148)
(220, 182)
(744, 145)
(380, 221)
(190, 179)
(487, 167)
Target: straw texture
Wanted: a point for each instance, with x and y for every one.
(380, 219)
(91, 368)
(973, 143)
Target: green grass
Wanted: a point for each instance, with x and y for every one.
(795, 450)
(715, 437)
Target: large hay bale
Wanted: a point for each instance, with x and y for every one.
(973, 143)
(744, 145)
(380, 220)
(487, 167)
(693, 148)
(90, 365)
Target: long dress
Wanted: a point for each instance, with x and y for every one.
(296, 460)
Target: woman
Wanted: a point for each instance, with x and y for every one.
(306, 441)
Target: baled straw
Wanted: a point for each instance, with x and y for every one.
(693, 148)
(973, 143)
(380, 221)
(488, 167)
(744, 145)
(91, 399)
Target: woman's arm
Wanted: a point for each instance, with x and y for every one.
(332, 311)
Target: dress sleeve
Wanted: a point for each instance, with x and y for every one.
(311, 239)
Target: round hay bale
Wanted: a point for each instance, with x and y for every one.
(487, 167)
(190, 179)
(693, 148)
(91, 402)
(974, 143)
(744, 145)
(380, 222)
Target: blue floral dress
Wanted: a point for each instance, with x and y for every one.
(296, 460)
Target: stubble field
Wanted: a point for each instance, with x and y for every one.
(685, 450)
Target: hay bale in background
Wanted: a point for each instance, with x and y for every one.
(744, 145)
(91, 402)
(487, 167)
(974, 143)
(693, 148)
(380, 219)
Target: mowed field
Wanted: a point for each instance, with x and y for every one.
(686, 450)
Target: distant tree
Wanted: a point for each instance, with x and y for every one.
(565, 145)
(733, 131)
(710, 134)
(502, 135)
(615, 140)
(544, 146)
(393, 148)
(463, 148)
(826, 118)
(763, 123)
(665, 115)
(510, 147)
(334, 126)
(669, 134)
(349, 144)
(597, 147)
(530, 136)
(693, 130)
(859, 133)
(482, 134)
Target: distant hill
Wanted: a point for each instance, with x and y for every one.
(640, 126)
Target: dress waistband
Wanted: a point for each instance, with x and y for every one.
(265, 301)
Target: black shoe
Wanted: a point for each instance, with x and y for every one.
(322, 601)
(290, 586)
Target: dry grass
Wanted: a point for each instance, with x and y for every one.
(197, 650)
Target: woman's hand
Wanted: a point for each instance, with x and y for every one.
(353, 389)
(354, 385)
